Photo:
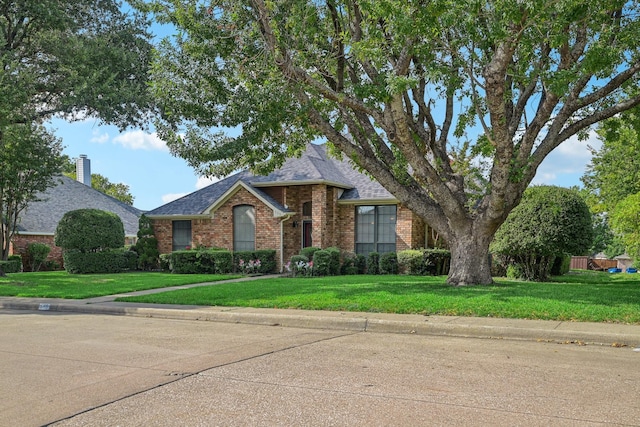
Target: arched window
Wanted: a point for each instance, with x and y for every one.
(244, 228)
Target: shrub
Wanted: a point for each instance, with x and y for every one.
(437, 261)
(184, 262)
(373, 263)
(165, 262)
(389, 263)
(107, 261)
(89, 230)
(548, 223)
(322, 263)
(561, 265)
(262, 261)
(147, 245)
(411, 261)
(222, 261)
(12, 265)
(268, 263)
(514, 271)
(51, 265)
(300, 266)
(38, 253)
(334, 261)
(348, 266)
(360, 263)
(308, 252)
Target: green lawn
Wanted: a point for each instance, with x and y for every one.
(578, 296)
(60, 284)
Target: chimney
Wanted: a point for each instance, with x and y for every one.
(83, 170)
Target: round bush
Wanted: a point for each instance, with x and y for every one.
(89, 230)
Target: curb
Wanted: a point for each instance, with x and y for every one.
(464, 327)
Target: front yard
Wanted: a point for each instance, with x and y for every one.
(577, 296)
(60, 284)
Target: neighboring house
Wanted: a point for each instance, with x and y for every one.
(314, 200)
(38, 222)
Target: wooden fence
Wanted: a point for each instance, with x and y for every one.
(586, 263)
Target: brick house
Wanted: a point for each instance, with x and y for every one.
(314, 200)
(38, 222)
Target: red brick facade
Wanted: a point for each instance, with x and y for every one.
(332, 224)
(21, 242)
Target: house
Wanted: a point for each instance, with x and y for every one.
(314, 200)
(38, 222)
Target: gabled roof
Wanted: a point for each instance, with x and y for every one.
(315, 166)
(42, 217)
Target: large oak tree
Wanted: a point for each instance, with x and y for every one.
(451, 105)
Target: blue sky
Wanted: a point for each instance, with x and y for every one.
(143, 162)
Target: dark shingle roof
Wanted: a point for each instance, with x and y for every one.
(314, 166)
(42, 217)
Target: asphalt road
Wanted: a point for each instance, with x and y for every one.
(71, 369)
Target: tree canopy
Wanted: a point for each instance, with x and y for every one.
(427, 97)
(614, 171)
(73, 58)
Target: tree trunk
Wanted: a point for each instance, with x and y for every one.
(470, 259)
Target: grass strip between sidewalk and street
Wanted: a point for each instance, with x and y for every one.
(577, 296)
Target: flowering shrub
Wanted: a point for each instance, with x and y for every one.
(249, 267)
(299, 266)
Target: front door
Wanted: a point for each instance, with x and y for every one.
(306, 234)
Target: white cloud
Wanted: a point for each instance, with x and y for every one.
(566, 164)
(139, 140)
(99, 138)
(203, 181)
(166, 198)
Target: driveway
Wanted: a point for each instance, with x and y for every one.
(100, 370)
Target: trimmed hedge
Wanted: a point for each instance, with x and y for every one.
(204, 261)
(12, 265)
(108, 261)
(373, 263)
(89, 230)
(321, 263)
(348, 266)
(308, 252)
(411, 261)
(389, 263)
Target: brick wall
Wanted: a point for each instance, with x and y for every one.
(218, 230)
(332, 224)
(21, 242)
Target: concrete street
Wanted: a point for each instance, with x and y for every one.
(85, 369)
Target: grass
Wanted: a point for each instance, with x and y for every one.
(60, 284)
(578, 296)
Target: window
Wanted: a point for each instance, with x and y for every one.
(375, 229)
(306, 209)
(181, 235)
(244, 228)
